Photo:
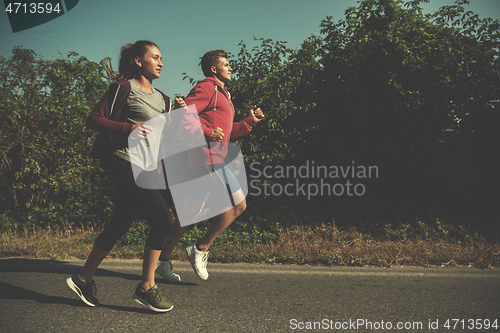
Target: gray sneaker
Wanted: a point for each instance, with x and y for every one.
(164, 268)
(152, 299)
(85, 290)
(199, 260)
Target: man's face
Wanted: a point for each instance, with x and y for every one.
(223, 70)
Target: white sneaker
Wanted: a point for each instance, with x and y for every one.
(199, 260)
(164, 268)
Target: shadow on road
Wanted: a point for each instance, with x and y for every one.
(55, 266)
(15, 265)
(8, 291)
(63, 267)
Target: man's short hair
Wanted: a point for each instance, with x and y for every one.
(211, 58)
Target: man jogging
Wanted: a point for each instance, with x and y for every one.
(216, 114)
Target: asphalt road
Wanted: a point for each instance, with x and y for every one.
(34, 297)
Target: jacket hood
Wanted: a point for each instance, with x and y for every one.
(210, 82)
(213, 80)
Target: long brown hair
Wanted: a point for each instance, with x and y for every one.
(127, 68)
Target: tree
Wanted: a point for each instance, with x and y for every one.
(46, 177)
(388, 85)
(280, 81)
(410, 92)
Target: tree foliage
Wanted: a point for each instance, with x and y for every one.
(411, 92)
(46, 177)
(276, 77)
(387, 85)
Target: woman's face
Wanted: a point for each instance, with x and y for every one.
(150, 64)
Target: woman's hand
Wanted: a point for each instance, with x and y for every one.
(143, 131)
(179, 103)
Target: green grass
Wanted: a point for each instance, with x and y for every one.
(378, 244)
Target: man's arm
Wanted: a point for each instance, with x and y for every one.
(200, 99)
(243, 127)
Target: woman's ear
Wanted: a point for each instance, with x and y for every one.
(137, 61)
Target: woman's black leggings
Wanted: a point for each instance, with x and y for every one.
(131, 201)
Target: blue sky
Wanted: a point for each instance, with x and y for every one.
(184, 30)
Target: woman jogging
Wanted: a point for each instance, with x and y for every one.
(128, 104)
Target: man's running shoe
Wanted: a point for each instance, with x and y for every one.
(164, 268)
(199, 260)
(152, 299)
(85, 290)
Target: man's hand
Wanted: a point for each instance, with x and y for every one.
(256, 113)
(217, 135)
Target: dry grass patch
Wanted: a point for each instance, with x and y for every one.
(328, 245)
(320, 245)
